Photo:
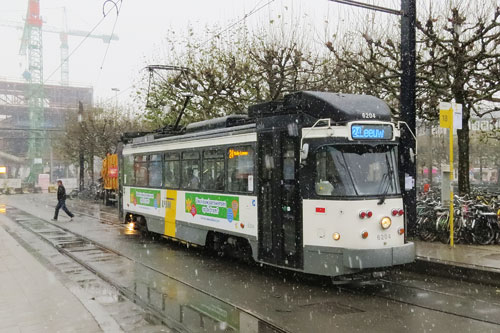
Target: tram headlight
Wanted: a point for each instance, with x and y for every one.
(336, 236)
(385, 222)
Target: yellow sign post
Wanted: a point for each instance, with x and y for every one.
(446, 118)
(447, 114)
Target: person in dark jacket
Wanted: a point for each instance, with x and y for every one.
(61, 201)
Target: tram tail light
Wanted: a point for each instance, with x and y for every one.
(401, 212)
(364, 234)
(401, 231)
(336, 236)
(394, 212)
(369, 214)
(362, 215)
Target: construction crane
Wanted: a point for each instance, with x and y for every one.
(32, 47)
(63, 35)
(32, 41)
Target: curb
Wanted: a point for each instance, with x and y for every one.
(454, 270)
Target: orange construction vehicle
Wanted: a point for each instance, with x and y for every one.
(109, 175)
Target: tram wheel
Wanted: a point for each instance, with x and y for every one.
(213, 244)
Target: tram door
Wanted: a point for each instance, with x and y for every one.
(280, 210)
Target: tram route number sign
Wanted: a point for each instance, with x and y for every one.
(219, 206)
(371, 132)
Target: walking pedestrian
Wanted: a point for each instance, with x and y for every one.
(61, 201)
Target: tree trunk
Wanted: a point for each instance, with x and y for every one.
(430, 162)
(480, 167)
(91, 165)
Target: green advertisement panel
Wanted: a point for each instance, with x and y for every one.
(143, 197)
(218, 206)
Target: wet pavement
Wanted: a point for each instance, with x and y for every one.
(188, 284)
(112, 311)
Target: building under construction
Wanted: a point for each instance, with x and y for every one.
(16, 128)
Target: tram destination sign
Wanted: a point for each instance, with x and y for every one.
(371, 131)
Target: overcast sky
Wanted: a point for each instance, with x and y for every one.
(141, 26)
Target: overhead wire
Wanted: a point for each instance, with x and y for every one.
(118, 11)
(253, 11)
(78, 46)
(369, 6)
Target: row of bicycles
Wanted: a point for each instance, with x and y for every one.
(92, 191)
(476, 219)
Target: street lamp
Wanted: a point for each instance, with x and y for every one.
(116, 90)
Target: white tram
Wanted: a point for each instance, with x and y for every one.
(309, 183)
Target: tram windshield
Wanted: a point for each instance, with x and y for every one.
(356, 170)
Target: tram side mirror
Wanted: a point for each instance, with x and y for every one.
(304, 151)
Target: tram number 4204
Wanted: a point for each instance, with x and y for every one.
(383, 236)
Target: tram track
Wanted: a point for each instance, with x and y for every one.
(462, 306)
(94, 256)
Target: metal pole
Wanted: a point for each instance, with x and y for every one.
(80, 120)
(451, 179)
(407, 101)
(51, 163)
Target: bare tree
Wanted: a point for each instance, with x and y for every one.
(98, 133)
(462, 62)
(227, 75)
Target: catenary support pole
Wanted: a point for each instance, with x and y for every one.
(407, 101)
(451, 183)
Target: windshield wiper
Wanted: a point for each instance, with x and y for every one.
(347, 171)
(387, 177)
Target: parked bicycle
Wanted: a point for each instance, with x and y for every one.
(476, 219)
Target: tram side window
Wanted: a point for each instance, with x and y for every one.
(128, 170)
(141, 170)
(213, 170)
(191, 170)
(155, 170)
(172, 170)
(240, 168)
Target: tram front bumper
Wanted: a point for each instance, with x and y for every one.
(384, 257)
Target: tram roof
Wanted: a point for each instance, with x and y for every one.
(341, 108)
(336, 106)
